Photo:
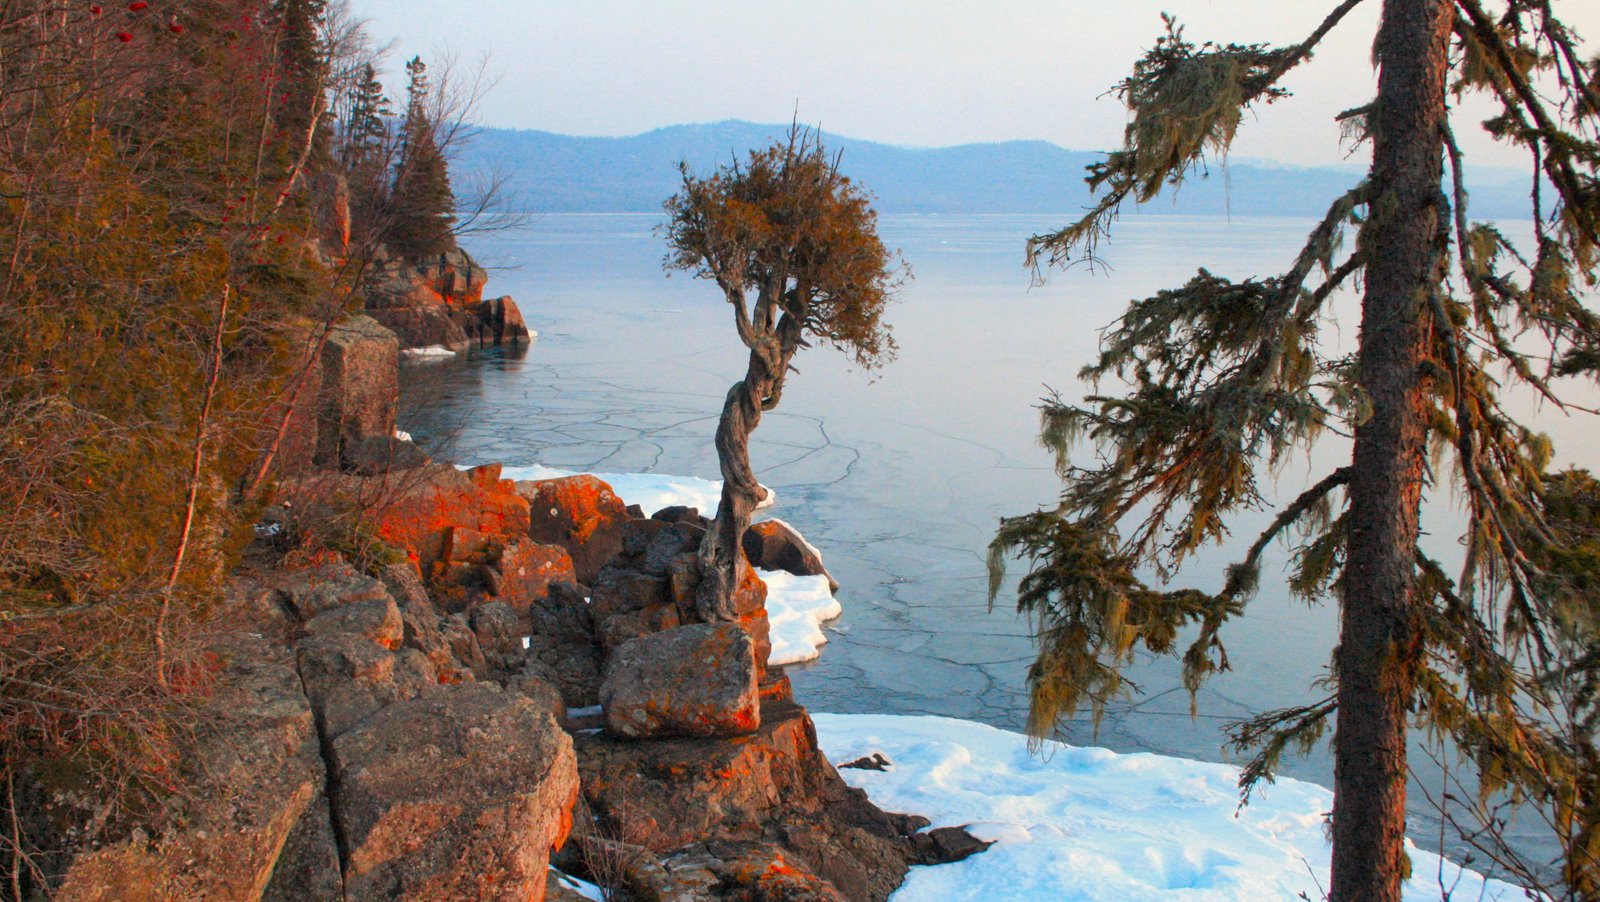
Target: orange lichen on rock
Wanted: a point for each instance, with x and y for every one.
(429, 503)
(580, 513)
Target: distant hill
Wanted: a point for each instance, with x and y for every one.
(551, 173)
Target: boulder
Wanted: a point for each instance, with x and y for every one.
(580, 513)
(678, 513)
(465, 545)
(652, 545)
(378, 454)
(620, 589)
(499, 320)
(527, 569)
(421, 622)
(325, 587)
(697, 680)
(746, 871)
(360, 389)
(461, 795)
(347, 678)
(541, 691)
(775, 545)
(750, 606)
(463, 643)
(375, 619)
(499, 630)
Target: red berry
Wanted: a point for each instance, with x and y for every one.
(175, 28)
(137, 5)
(124, 36)
(94, 10)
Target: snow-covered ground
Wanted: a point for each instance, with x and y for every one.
(1088, 824)
(797, 606)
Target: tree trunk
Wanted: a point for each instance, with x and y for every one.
(1377, 637)
(721, 561)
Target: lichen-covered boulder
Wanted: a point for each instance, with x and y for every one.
(697, 680)
(460, 795)
(422, 508)
(527, 569)
(580, 513)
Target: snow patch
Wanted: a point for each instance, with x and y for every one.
(796, 607)
(427, 352)
(582, 887)
(1091, 824)
(402, 435)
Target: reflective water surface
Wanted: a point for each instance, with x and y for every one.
(899, 475)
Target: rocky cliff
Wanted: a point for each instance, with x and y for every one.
(439, 302)
(506, 665)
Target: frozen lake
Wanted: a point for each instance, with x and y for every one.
(899, 476)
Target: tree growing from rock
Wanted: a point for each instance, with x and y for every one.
(1225, 379)
(792, 244)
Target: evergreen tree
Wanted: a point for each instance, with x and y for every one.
(1226, 378)
(303, 60)
(365, 132)
(422, 206)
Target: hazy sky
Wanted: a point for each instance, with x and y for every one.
(929, 72)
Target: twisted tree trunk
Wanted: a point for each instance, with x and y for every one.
(1377, 642)
(722, 563)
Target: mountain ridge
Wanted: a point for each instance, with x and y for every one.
(547, 172)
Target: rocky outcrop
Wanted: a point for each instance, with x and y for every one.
(349, 750)
(256, 771)
(421, 510)
(425, 730)
(773, 786)
(775, 545)
(343, 414)
(500, 320)
(423, 327)
(439, 302)
(697, 680)
(450, 279)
